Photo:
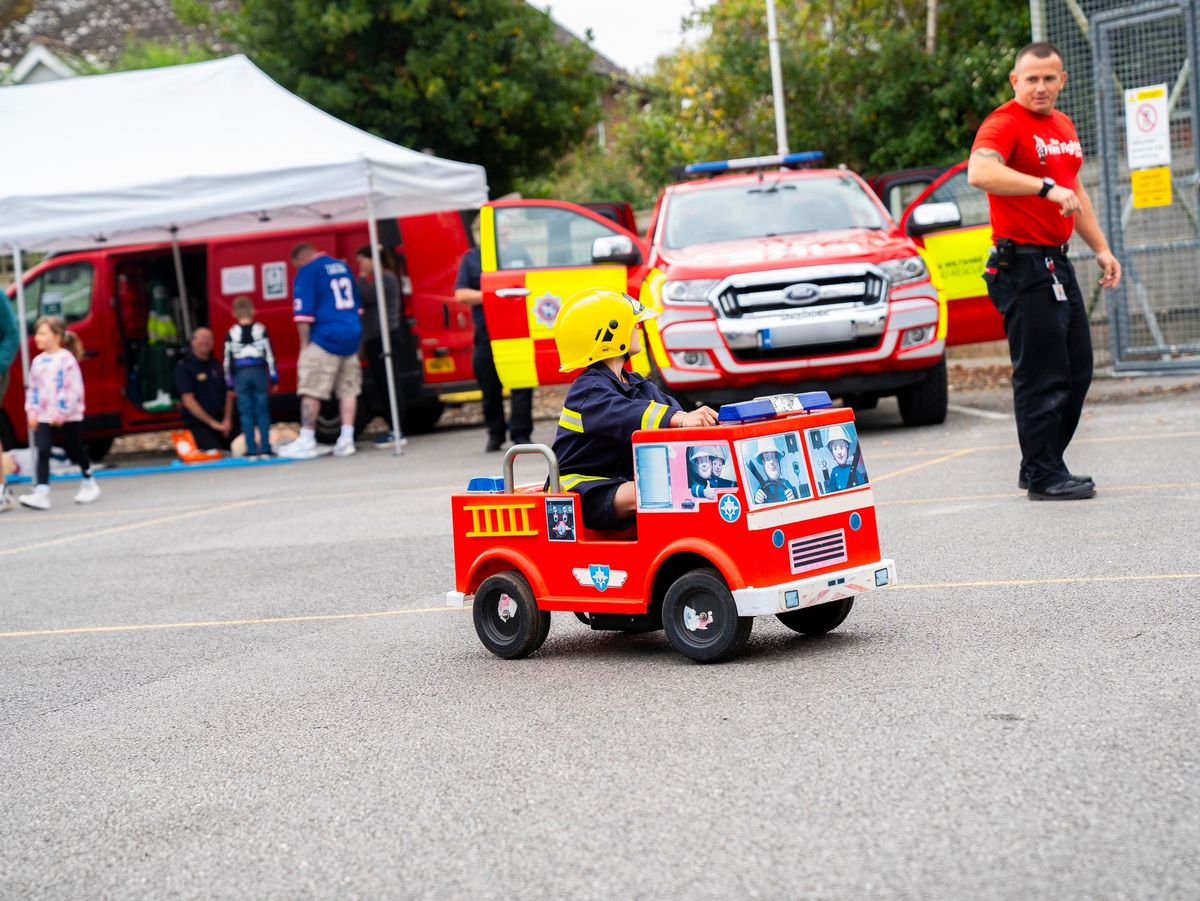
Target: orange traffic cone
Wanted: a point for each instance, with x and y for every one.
(185, 446)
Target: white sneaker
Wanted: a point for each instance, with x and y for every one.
(6, 500)
(345, 448)
(88, 492)
(298, 449)
(38, 499)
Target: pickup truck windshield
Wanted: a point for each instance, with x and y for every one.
(767, 209)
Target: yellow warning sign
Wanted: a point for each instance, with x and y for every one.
(1151, 187)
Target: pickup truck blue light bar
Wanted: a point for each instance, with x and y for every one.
(773, 406)
(716, 167)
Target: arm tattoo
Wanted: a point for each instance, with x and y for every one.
(990, 154)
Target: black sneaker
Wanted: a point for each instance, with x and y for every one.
(1066, 490)
(493, 445)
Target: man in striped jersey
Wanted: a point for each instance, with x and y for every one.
(596, 331)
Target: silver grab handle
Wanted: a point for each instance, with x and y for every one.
(512, 292)
(518, 450)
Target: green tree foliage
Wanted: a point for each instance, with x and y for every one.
(483, 81)
(155, 54)
(858, 83)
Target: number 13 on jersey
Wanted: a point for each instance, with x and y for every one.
(343, 293)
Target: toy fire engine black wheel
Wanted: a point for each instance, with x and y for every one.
(819, 619)
(507, 618)
(701, 619)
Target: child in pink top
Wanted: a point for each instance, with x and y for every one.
(54, 405)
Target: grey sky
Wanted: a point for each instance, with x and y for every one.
(632, 33)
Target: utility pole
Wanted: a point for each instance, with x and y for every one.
(781, 141)
(931, 11)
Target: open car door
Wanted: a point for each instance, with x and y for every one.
(536, 254)
(958, 245)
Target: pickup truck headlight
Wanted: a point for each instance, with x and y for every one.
(691, 291)
(904, 270)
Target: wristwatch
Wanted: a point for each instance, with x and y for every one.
(1047, 184)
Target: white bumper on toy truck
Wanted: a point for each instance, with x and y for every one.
(834, 586)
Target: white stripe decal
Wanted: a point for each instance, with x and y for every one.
(794, 512)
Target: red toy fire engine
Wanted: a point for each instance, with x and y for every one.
(768, 512)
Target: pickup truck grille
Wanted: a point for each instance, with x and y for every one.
(818, 551)
(861, 288)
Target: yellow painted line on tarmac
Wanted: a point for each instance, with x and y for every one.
(942, 459)
(217, 623)
(1063, 580)
(127, 527)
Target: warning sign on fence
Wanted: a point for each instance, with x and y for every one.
(1147, 129)
(1151, 187)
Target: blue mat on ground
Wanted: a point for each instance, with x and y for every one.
(173, 466)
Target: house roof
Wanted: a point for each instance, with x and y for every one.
(96, 30)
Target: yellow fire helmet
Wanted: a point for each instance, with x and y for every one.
(596, 324)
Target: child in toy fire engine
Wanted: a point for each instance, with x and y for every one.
(596, 330)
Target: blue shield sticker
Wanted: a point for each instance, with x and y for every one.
(599, 573)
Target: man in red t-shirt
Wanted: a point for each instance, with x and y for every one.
(1026, 157)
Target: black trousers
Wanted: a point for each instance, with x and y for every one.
(373, 349)
(1051, 349)
(71, 436)
(520, 426)
(207, 438)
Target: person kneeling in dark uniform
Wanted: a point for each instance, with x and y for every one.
(207, 407)
(596, 330)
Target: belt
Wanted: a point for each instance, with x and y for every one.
(1039, 249)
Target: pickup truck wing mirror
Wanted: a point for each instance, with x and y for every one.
(931, 217)
(616, 249)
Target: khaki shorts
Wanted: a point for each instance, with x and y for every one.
(321, 374)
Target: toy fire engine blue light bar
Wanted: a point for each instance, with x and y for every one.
(775, 405)
(715, 167)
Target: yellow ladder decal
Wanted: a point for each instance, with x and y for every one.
(511, 520)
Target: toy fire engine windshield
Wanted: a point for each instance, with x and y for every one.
(774, 470)
(837, 458)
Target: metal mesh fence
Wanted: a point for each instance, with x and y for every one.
(1112, 48)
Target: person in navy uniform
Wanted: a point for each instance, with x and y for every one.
(718, 464)
(467, 289)
(838, 444)
(596, 331)
(774, 488)
(704, 473)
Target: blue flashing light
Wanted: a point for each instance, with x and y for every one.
(772, 407)
(716, 167)
(485, 485)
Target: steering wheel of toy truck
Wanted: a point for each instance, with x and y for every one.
(507, 619)
(819, 619)
(700, 617)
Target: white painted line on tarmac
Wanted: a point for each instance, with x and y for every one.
(977, 411)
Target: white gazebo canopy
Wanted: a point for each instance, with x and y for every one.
(205, 149)
(195, 151)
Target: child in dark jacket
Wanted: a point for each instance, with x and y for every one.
(596, 330)
(249, 364)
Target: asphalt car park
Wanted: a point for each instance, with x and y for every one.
(244, 682)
